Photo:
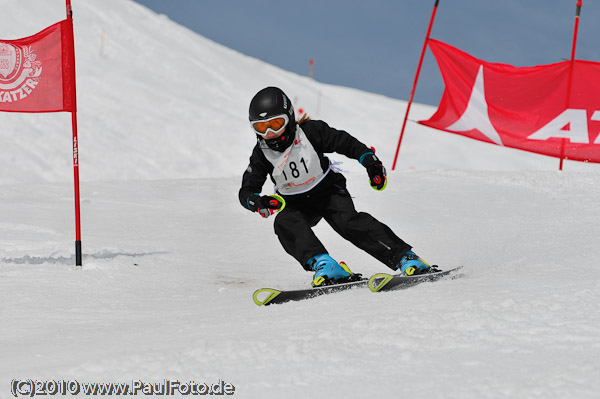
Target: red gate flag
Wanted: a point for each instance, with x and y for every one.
(37, 73)
(548, 109)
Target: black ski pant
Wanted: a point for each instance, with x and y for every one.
(293, 227)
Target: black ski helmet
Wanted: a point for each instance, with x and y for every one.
(270, 102)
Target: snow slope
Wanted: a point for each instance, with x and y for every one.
(157, 101)
(171, 259)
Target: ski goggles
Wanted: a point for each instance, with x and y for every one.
(275, 124)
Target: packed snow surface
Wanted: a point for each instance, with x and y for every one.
(171, 259)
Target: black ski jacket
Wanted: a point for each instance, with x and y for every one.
(324, 139)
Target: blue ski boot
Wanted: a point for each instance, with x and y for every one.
(327, 270)
(410, 264)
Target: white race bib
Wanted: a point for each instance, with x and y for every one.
(297, 169)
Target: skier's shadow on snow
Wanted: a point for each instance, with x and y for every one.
(38, 260)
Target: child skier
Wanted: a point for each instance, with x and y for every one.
(292, 153)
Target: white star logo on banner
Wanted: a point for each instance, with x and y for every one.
(476, 114)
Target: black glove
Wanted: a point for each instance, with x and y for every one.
(375, 169)
(265, 205)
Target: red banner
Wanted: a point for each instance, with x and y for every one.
(548, 109)
(37, 73)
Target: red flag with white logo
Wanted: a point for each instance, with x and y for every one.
(37, 73)
(548, 109)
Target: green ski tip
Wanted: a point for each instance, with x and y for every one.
(267, 295)
(378, 281)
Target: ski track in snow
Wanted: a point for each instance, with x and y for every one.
(169, 272)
